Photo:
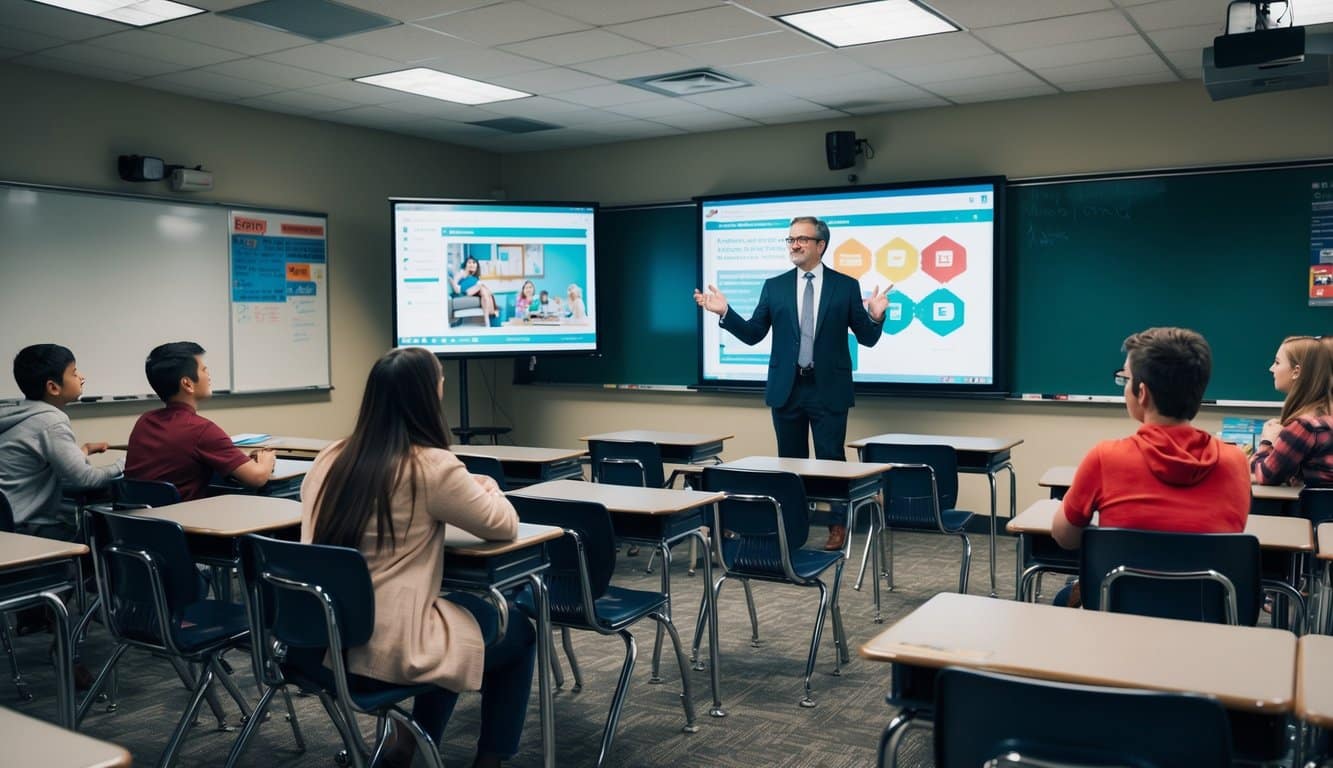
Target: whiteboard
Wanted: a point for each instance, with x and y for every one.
(112, 276)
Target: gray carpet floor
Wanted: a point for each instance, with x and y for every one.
(761, 686)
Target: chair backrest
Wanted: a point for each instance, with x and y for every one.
(754, 524)
(592, 523)
(982, 715)
(907, 493)
(129, 493)
(1317, 505)
(297, 618)
(485, 465)
(127, 581)
(618, 462)
(1234, 556)
(6, 515)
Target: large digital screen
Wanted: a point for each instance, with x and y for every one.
(937, 243)
(486, 278)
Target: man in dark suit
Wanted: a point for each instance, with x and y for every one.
(809, 309)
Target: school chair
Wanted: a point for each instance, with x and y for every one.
(583, 598)
(1316, 505)
(765, 523)
(153, 600)
(485, 465)
(920, 494)
(142, 494)
(633, 463)
(309, 602)
(985, 718)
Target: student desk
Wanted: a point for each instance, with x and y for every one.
(525, 466)
(852, 483)
(1323, 566)
(32, 742)
(677, 447)
(1264, 499)
(976, 455)
(1314, 695)
(1248, 669)
(292, 447)
(213, 524)
(661, 517)
(26, 581)
(473, 564)
(284, 483)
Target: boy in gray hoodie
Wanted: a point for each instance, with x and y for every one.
(38, 453)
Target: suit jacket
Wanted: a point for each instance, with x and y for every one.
(840, 310)
(420, 637)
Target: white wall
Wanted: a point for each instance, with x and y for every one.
(65, 130)
(1125, 129)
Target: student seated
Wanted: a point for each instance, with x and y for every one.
(1167, 476)
(38, 453)
(175, 444)
(388, 490)
(1297, 446)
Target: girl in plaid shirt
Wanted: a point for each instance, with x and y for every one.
(1298, 446)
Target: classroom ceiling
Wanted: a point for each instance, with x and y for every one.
(574, 54)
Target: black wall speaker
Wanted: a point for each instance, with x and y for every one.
(840, 149)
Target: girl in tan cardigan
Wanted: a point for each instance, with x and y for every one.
(388, 490)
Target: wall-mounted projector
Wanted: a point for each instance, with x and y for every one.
(191, 180)
(1264, 61)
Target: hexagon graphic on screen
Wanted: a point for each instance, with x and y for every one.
(941, 311)
(852, 257)
(897, 259)
(944, 259)
(898, 315)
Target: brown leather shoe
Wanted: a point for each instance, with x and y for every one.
(837, 538)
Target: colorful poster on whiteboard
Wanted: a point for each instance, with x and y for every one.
(1321, 244)
(279, 301)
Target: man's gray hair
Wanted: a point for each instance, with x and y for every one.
(821, 229)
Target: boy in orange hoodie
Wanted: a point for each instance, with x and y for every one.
(1167, 476)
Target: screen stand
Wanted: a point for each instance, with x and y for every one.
(465, 431)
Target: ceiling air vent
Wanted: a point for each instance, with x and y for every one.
(515, 125)
(688, 83)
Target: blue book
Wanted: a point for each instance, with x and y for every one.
(249, 438)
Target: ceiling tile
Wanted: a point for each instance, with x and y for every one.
(857, 102)
(708, 120)
(575, 47)
(657, 62)
(658, 107)
(1041, 89)
(755, 100)
(601, 13)
(781, 7)
(280, 75)
(1181, 13)
(696, 27)
(1096, 70)
(229, 34)
(1197, 37)
(57, 22)
(1068, 29)
(464, 58)
(589, 116)
(606, 95)
(356, 93)
(331, 60)
(84, 53)
(1088, 50)
(413, 10)
(442, 110)
(406, 43)
(211, 82)
(535, 107)
(633, 129)
(503, 23)
(925, 102)
(374, 117)
(744, 50)
(917, 51)
(817, 66)
(550, 80)
(298, 102)
(23, 40)
(799, 117)
(447, 130)
(183, 89)
(1120, 81)
(45, 61)
(981, 66)
(165, 48)
(218, 5)
(1007, 82)
(975, 15)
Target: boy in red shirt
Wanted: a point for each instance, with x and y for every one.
(178, 445)
(1167, 476)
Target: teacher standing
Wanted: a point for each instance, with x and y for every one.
(810, 309)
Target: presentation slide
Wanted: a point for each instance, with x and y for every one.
(484, 278)
(936, 243)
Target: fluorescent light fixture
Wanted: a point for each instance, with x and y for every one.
(424, 81)
(139, 13)
(871, 22)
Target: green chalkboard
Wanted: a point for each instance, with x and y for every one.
(647, 265)
(1224, 252)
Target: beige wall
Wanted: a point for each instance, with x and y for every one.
(1124, 129)
(65, 130)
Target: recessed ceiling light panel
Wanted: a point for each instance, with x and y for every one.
(872, 22)
(139, 13)
(444, 86)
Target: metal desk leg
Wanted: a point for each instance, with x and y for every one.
(665, 549)
(711, 612)
(64, 661)
(546, 701)
(1020, 557)
(994, 513)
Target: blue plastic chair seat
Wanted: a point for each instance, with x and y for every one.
(305, 667)
(954, 521)
(616, 606)
(208, 621)
(806, 563)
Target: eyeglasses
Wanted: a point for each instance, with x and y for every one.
(802, 239)
(1121, 378)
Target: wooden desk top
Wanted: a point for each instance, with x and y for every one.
(1325, 537)
(459, 542)
(1063, 477)
(1273, 532)
(230, 515)
(1057, 477)
(299, 444)
(18, 550)
(1314, 668)
(33, 742)
(957, 442)
(1091, 647)
(289, 469)
(661, 438)
(624, 499)
(520, 454)
(838, 470)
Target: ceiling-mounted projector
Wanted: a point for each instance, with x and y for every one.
(1262, 52)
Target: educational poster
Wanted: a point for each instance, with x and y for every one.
(279, 300)
(1321, 244)
(934, 245)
